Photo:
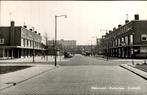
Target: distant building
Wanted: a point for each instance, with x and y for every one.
(63, 45)
(126, 41)
(67, 44)
(18, 41)
(86, 48)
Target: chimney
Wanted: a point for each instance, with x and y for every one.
(25, 26)
(12, 33)
(30, 29)
(119, 25)
(114, 29)
(35, 31)
(136, 16)
(38, 33)
(126, 21)
(12, 23)
(110, 31)
(103, 37)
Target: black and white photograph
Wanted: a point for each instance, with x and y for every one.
(78, 47)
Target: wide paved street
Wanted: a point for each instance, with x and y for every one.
(83, 76)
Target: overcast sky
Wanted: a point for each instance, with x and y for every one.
(84, 18)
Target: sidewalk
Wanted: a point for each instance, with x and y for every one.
(135, 70)
(128, 65)
(37, 59)
(13, 78)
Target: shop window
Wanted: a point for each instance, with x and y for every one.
(144, 37)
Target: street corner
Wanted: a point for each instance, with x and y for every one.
(135, 70)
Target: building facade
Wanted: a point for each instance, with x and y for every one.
(126, 41)
(18, 41)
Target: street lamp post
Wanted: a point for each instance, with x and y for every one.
(33, 51)
(55, 47)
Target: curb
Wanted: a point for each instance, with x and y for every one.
(135, 71)
(13, 84)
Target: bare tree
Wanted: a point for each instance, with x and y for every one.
(46, 38)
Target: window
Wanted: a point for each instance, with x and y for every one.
(122, 39)
(144, 37)
(118, 42)
(27, 43)
(32, 43)
(2, 41)
(143, 49)
(126, 39)
(131, 39)
(22, 42)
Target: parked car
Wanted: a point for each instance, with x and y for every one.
(67, 55)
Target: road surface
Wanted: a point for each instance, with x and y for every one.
(83, 76)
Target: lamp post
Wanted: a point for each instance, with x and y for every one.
(33, 51)
(55, 47)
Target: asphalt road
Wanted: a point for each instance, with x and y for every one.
(83, 76)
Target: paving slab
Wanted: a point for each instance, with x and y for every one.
(13, 78)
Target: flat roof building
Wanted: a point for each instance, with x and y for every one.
(18, 41)
(127, 41)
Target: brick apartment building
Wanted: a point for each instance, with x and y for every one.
(126, 41)
(18, 41)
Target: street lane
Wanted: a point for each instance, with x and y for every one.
(86, 60)
(83, 79)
